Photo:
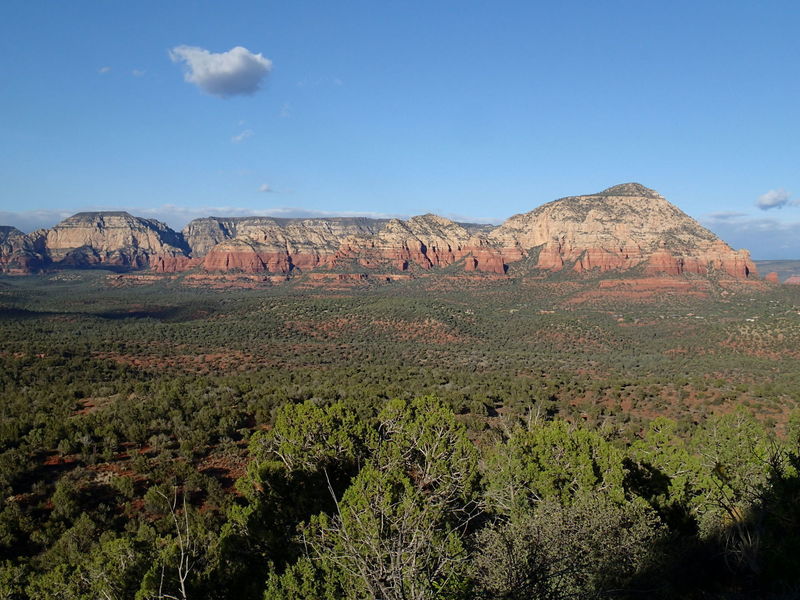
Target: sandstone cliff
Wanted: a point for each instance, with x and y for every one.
(622, 227)
(626, 226)
(254, 244)
(323, 234)
(114, 239)
(21, 253)
(426, 241)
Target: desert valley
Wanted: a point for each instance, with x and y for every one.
(596, 395)
(399, 300)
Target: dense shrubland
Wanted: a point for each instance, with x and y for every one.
(395, 443)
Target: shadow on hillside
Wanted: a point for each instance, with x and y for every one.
(755, 557)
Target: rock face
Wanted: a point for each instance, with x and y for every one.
(262, 244)
(113, 239)
(96, 239)
(620, 228)
(296, 236)
(624, 227)
(254, 244)
(21, 253)
(426, 241)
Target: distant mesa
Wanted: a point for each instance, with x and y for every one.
(624, 227)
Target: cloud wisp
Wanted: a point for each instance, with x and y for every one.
(239, 138)
(773, 199)
(237, 72)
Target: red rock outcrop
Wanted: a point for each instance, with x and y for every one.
(173, 264)
(426, 241)
(793, 280)
(620, 228)
(247, 257)
(21, 254)
(624, 227)
(113, 239)
(772, 277)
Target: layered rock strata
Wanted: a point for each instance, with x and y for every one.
(112, 239)
(21, 253)
(426, 241)
(624, 227)
(620, 228)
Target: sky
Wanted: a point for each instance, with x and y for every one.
(471, 110)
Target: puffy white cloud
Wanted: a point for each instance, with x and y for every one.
(773, 199)
(239, 138)
(104, 70)
(138, 72)
(235, 72)
(265, 187)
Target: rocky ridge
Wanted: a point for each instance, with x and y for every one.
(623, 227)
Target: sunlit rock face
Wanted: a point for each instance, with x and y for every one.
(625, 227)
(21, 253)
(112, 239)
(620, 228)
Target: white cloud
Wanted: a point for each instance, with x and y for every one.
(138, 72)
(265, 187)
(104, 70)
(31, 220)
(765, 238)
(239, 138)
(235, 72)
(773, 199)
(286, 111)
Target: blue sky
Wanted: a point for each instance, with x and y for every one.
(473, 110)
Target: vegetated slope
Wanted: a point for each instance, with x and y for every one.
(624, 227)
(120, 403)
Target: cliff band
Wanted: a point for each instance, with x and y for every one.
(624, 227)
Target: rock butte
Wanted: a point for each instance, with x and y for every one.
(624, 227)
